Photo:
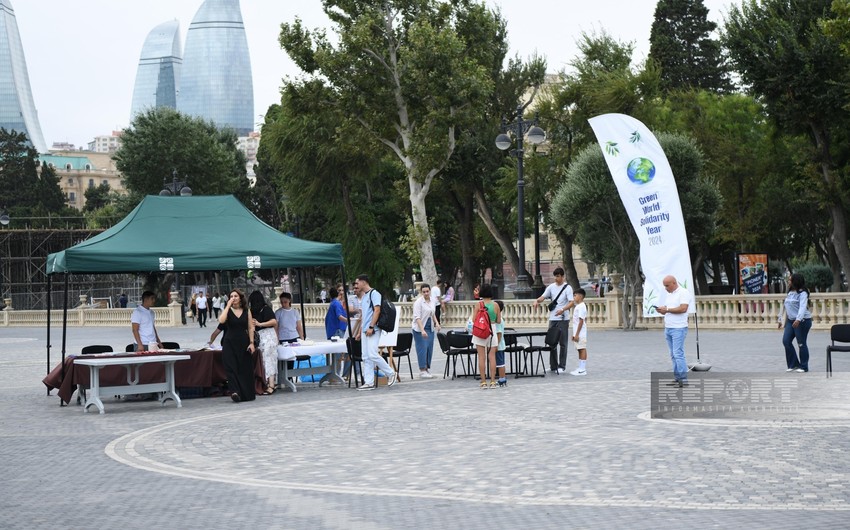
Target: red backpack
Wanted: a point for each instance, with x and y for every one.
(481, 324)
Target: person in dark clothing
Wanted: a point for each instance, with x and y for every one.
(237, 347)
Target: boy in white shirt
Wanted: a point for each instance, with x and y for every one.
(580, 331)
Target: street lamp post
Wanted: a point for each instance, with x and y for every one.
(520, 127)
(176, 187)
(4, 220)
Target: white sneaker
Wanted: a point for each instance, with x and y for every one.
(561, 370)
(789, 370)
(366, 387)
(578, 372)
(391, 379)
(799, 370)
(425, 375)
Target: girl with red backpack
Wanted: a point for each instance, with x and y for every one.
(484, 334)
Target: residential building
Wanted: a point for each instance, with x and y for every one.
(106, 143)
(17, 108)
(81, 170)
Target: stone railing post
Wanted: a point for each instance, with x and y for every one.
(174, 310)
(276, 302)
(8, 303)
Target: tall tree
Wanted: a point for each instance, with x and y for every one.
(782, 53)
(325, 172)
(409, 75)
(603, 80)
(27, 191)
(680, 43)
(162, 140)
(96, 197)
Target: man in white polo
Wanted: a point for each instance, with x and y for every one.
(142, 323)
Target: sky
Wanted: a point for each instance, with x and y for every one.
(82, 55)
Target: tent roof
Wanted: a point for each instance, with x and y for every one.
(205, 233)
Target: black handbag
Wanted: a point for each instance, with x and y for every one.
(554, 303)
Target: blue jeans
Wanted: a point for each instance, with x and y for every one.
(800, 333)
(676, 344)
(424, 347)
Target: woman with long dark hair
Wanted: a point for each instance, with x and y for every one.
(237, 347)
(266, 325)
(798, 322)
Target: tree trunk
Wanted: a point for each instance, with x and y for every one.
(423, 235)
(505, 241)
(570, 273)
(836, 210)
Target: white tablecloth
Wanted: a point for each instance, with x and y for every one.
(287, 352)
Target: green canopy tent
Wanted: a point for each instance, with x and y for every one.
(184, 234)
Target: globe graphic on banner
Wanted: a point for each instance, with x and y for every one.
(641, 170)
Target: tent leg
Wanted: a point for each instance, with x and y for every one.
(49, 277)
(301, 292)
(345, 292)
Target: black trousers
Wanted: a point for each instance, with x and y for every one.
(202, 317)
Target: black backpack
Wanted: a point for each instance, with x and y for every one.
(386, 318)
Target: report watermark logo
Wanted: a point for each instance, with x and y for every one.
(748, 395)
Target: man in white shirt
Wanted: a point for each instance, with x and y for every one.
(561, 294)
(370, 335)
(201, 304)
(142, 323)
(675, 313)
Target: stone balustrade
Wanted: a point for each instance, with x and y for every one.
(715, 312)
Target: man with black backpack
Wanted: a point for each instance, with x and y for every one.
(560, 295)
(370, 334)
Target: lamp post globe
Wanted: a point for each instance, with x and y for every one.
(520, 129)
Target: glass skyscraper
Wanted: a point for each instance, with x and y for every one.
(159, 69)
(17, 109)
(216, 82)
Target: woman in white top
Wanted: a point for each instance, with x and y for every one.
(425, 324)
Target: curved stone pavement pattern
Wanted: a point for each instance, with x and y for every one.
(502, 446)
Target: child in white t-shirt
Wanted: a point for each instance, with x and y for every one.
(580, 331)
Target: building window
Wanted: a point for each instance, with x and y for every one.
(91, 183)
(72, 197)
(105, 182)
(70, 181)
(544, 241)
(67, 167)
(88, 167)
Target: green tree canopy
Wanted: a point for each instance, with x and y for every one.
(411, 73)
(680, 43)
(162, 140)
(800, 72)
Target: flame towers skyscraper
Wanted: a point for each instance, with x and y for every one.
(17, 108)
(216, 82)
(159, 69)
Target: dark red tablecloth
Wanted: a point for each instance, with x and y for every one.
(202, 369)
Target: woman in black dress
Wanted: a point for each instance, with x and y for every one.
(237, 347)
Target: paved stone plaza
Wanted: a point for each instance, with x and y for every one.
(557, 452)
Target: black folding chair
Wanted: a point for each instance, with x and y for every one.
(170, 346)
(443, 341)
(460, 344)
(553, 335)
(837, 333)
(355, 356)
(513, 349)
(402, 349)
(89, 350)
